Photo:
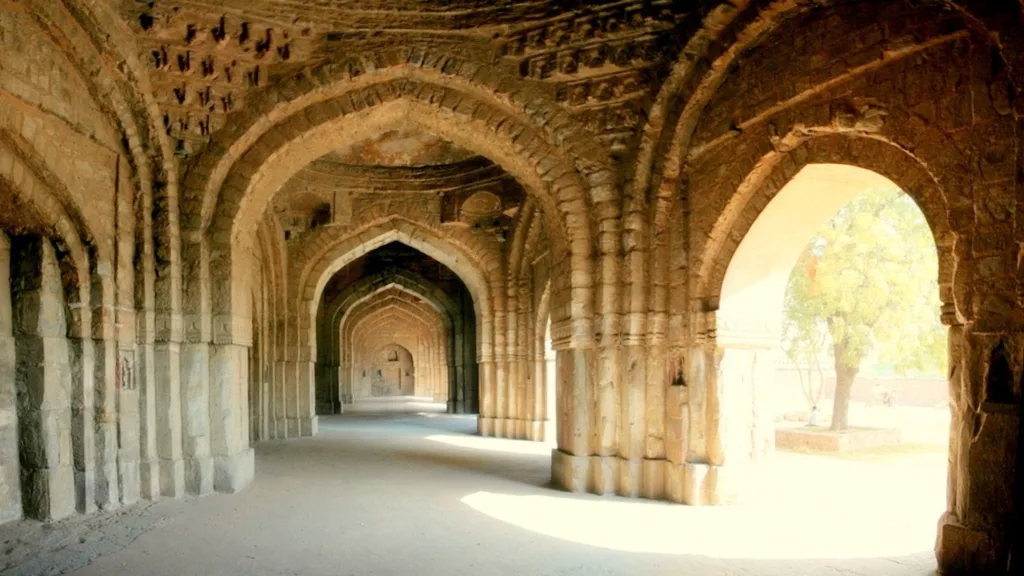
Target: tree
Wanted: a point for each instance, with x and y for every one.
(803, 334)
(870, 278)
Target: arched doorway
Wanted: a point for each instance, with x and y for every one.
(834, 473)
(392, 372)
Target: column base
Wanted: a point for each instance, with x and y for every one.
(569, 472)
(129, 482)
(309, 426)
(49, 493)
(302, 427)
(511, 428)
(172, 478)
(485, 426)
(199, 475)
(457, 407)
(539, 430)
(703, 484)
(963, 550)
(85, 492)
(653, 479)
(149, 480)
(233, 473)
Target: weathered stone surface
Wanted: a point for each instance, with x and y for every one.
(228, 209)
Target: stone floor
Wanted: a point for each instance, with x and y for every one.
(382, 491)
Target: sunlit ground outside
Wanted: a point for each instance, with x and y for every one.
(882, 503)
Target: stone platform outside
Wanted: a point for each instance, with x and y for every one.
(821, 439)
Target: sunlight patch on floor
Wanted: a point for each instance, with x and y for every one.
(719, 532)
(804, 507)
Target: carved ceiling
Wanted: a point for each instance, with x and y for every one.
(404, 148)
(328, 191)
(602, 61)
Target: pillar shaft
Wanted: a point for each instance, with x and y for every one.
(229, 409)
(10, 483)
(43, 382)
(149, 466)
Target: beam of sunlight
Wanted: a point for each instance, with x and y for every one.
(494, 444)
(806, 512)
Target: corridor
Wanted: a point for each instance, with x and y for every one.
(397, 487)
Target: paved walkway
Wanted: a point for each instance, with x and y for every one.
(417, 493)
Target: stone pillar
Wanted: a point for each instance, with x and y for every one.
(604, 420)
(525, 418)
(291, 399)
(511, 364)
(105, 381)
(83, 421)
(632, 415)
(302, 420)
(974, 533)
(308, 421)
(485, 423)
(345, 383)
(570, 462)
(279, 412)
(10, 482)
(167, 363)
(43, 381)
(195, 418)
(149, 456)
(740, 427)
(536, 398)
(512, 397)
(129, 425)
(234, 464)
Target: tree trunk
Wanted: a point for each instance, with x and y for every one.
(845, 375)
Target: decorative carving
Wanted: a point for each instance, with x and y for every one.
(126, 370)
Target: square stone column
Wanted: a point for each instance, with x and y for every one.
(129, 425)
(234, 465)
(570, 462)
(43, 381)
(195, 418)
(167, 391)
(83, 418)
(149, 456)
(108, 494)
(10, 481)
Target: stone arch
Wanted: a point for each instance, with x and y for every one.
(387, 316)
(319, 268)
(385, 279)
(659, 169)
(460, 334)
(775, 169)
(58, 311)
(321, 259)
(394, 352)
(528, 154)
(58, 218)
(423, 308)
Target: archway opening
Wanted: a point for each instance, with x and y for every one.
(391, 372)
(550, 387)
(831, 362)
(396, 322)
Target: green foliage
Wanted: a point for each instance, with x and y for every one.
(868, 280)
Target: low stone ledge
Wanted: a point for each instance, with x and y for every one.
(817, 439)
